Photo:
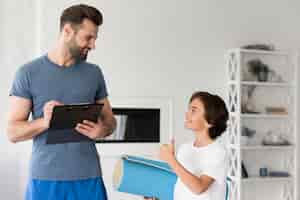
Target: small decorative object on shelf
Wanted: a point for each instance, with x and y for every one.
(274, 77)
(274, 139)
(263, 172)
(259, 69)
(247, 134)
(266, 47)
(248, 105)
(244, 171)
(278, 174)
(276, 110)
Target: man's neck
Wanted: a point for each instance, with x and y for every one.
(61, 56)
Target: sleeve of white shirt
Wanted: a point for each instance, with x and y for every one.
(216, 168)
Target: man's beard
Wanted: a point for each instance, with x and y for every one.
(76, 51)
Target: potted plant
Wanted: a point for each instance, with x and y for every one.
(259, 69)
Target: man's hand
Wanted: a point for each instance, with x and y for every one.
(91, 129)
(48, 110)
(167, 152)
(104, 126)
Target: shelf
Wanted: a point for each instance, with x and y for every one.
(263, 52)
(268, 147)
(266, 84)
(272, 116)
(262, 84)
(266, 179)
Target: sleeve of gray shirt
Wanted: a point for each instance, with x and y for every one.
(101, 86)
(21, 84)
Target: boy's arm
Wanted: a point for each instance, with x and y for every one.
(196, 184)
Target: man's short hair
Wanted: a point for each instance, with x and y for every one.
(77, 13)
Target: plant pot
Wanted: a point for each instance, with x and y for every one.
(262, 76)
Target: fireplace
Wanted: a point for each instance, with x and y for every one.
(149, 122)
(135, 125)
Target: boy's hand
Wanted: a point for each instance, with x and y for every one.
(167, 152)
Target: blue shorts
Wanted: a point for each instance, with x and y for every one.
(91, 189)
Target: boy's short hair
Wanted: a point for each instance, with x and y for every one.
(215, 114)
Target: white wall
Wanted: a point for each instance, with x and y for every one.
(146, 48)
(17, 45)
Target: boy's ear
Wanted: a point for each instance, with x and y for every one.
(209, 125)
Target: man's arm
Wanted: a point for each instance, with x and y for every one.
(18, 126)
(104, 127)
(108, 119)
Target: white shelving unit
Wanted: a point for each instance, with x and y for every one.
(254, 155)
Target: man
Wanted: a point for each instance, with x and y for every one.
(69, 171)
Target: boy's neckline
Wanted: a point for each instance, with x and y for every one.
(204, 146)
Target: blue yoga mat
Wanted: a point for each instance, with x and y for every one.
(145, 177)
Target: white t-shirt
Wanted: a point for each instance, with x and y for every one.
(209, 160)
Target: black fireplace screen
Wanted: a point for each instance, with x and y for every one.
(135, 125)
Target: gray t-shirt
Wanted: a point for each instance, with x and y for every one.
(41, 81)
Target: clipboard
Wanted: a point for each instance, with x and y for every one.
(66, 117)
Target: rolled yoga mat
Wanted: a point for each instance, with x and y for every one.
(145, 177)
